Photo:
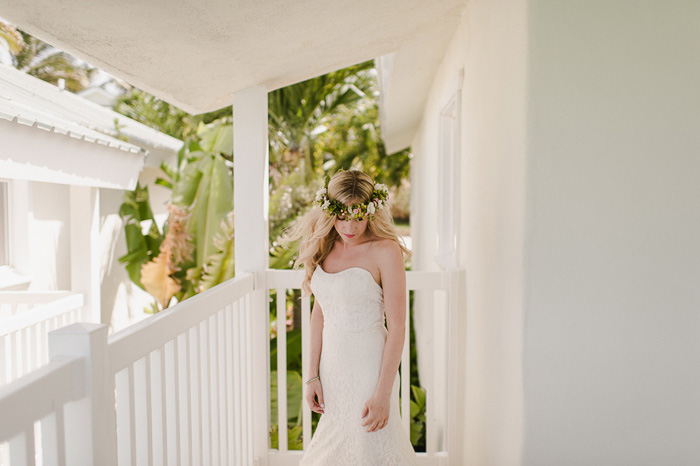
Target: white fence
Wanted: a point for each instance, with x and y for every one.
(167, 390)
(176, 387)
(26, 318)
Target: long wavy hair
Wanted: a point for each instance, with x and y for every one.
(316, 230)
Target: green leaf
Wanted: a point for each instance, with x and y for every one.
(213, 201)
(185, 189)
(417, 429)
(293, 350)
(295, 396)
(415, 409)
(216, 137)
(418, 395)
(221, 265)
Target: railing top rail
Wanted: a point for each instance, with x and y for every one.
(38, 394)
(29, 297)
(135, 341)
(41, 313)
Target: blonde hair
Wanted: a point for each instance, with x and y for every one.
(316, 230)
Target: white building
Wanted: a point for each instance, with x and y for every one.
(63, 175)
(555, 178)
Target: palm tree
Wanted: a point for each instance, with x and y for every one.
(41, 60)
(315, 127)
(49, 64)
(297, 113)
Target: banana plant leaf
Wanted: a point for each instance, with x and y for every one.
(216, 137)
(185, 189)
(208, 183)
(136, 211)
(221, 265)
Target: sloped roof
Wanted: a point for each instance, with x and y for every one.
(32, 149)
(31, 100)
(51, 135)
(22, 106)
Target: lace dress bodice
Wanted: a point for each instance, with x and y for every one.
(351, 300)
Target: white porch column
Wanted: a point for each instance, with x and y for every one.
(251, 206)
(84, 248)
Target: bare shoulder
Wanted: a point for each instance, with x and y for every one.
(392, 268)
(388, 246)
(389, 255)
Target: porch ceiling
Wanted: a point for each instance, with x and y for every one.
(195, 55)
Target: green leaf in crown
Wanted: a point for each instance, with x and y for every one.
(379, 198)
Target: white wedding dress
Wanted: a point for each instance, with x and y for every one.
(351, 360)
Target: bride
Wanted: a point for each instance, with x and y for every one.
(354, 263)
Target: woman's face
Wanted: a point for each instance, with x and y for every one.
(351, 231)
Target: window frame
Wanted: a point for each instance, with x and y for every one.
(14, 274)
(449, 175)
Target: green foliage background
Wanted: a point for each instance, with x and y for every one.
(315, 128)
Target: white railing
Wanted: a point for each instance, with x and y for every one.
(171, 389)
(441, 290)
(26, 318)
(180, 390)
(43, 396)
(176, 388)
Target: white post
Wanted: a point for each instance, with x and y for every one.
(251, 206)
(84, 248)
(90, 423)
(19, 226)
(456, 378)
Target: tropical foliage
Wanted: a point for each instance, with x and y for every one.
(196, 250)
(43, 61)
(152, 111)
(316, 127)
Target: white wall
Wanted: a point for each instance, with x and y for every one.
(612, 330)
(581, 169)
(490, 44)
(49, 236)
(48, 255)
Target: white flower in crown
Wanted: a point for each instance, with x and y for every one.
(370, 208)
(320, 193)
(325, 204)
(380, 187)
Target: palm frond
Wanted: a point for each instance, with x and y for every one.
(11, 37)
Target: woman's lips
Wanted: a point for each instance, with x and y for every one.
(349, 236)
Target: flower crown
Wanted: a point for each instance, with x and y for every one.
(379, 198)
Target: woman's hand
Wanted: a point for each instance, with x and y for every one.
(313, 390)
(377, 411)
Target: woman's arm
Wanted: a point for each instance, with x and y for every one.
(393, 273)
(375, 413)
(314, 392)
(316, 339)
